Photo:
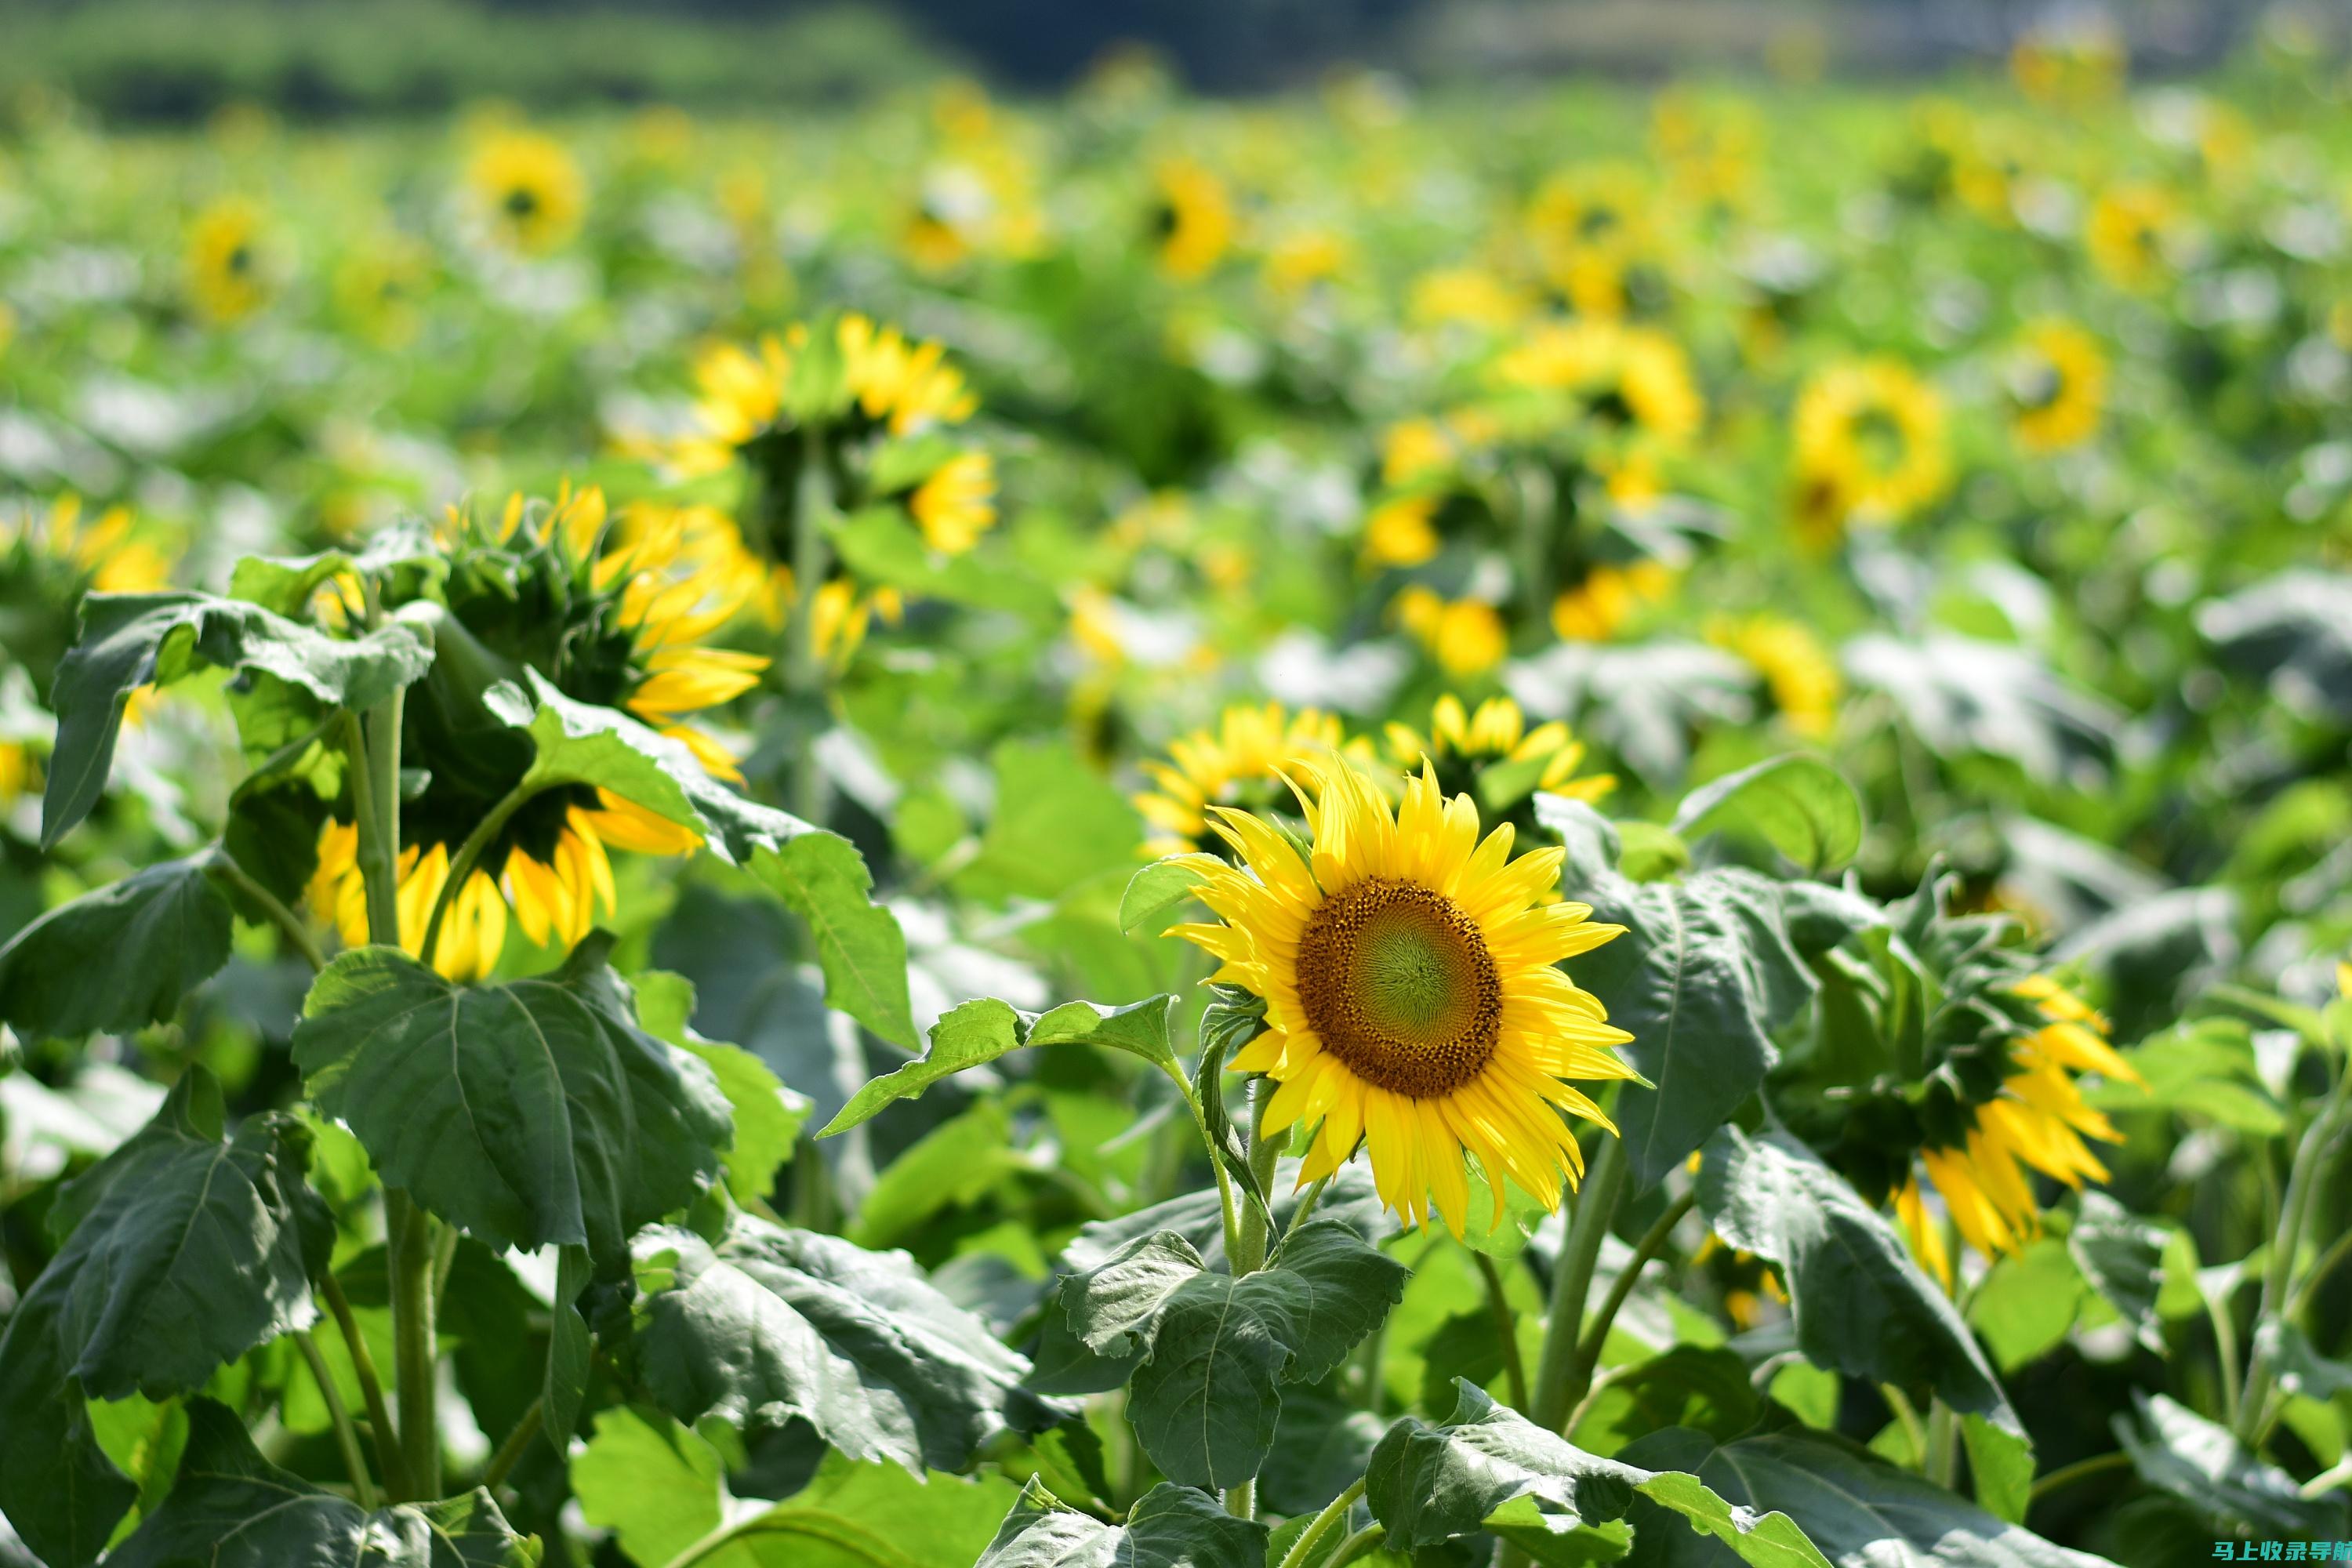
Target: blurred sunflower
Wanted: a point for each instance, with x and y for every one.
(619, 624)
(2126, 234)
(1798, 674)
(1466, 636)
(1598, 604)
(2036, 1121)
(1870, 445)
(1412, 1001)
(1634, 380)
(226, 270)
(1492, 754)
(1469, 296)
(1419, 448)
(1192, 221)
(2057, 382)
(1243, 762)
(529, 188)
(379, 287)
(1586, 226)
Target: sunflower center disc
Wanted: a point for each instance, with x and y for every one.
(1396, 983)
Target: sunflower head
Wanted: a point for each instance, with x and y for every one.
(227, 261)
(1623, 382)
(50, 555)
(1607, 597)
(1244, 761)
(2057, 382)
(1797, 672)
(528, 188)
(2128, 233)
(1192, 220)
(1871, 443)
(1414, 1002)
(1466, 636)
(1493, 755)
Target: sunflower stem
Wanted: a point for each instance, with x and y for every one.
(1943, 1444)
(346, 1438)
(382, 1433)
(511, 1452)
(1915, 1431)
(1356, 1545)
(415, 1353)
(1302, 1551)
(1249, 1256)
(1507, 1329)
(2080, 1469)
(1654, 1242)
(2312, 1155)
(469, 855)
(1556, 1389)
(223, 864)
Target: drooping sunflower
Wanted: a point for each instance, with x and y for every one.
(1242, 761)
(1491, 754)
(228, 270)
(528, 189)
(1798, 674)
(1192, 220)
(619, 623)
(2057, 381)
(1871, 443)
(1413, 1003)
(2038, 1121)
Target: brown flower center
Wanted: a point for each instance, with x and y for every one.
(1396, 983)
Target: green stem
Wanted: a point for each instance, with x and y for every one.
(812, 1524)
(1507, 1329)
(804, 674)
(2329, 1261)
(1654, 1242)
(1227, 1208)
(1556, 1389)
(381, 1433)
(2304, 1178)
(1356, 1545)
(1913, 1429)
(2337, 1475)
(1302, 1549)
(346, 1438)
(1306, 1206)
(445, 1258)
(2080, 1469)
(1943, 1443)
(379, 857)
(2225, 1355)
(221, 862)
(415, 1351)
(511, 1452)
(1241, 1500)
(469, 855)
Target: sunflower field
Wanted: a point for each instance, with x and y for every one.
(1566, 826)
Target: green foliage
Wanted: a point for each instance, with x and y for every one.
(979, 1031)
(1169, 1527)
(119, 958)
(1798, 803)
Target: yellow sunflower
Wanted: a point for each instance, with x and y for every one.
(1634, 379)
(227, 268)
(1242, 761)
(1402, 531)
(1468, 297)
(1597, 607)
(1192, 223)
(1586, 226)
(2127, 233)
(1871, 440)
(2058, 384)
(2038, 1121)
(1412, 1001)
(1797, 672)
(1465, 746)
(529, 188)
(1466, 636)
(611, 617)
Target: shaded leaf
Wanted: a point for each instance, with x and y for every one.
(979, 1031)
(1154, 894)
(1169, 1527)
(2122, 1257)
(1799, 804)
(119, 958)
(767, 1116)
(2176, 1450)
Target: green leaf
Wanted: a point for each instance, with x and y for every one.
(1799, 804)
(1489, 1467)
(129, 640)
(569, 1347)
(117, 959)
(2122, 1257)
(978, 1032)
(2176, 1450)
(1857, 1510)
(882, 546)
(1205, 1399)
(1702, 975)
(1154, 894)
(956, 1162)
(530, 1114)
(768, 1324)
(652, 1482)
(1169, 1527)
(1057, 823)
(767, 1115)
(822, 878)
(185, 1251)
(1860, 1304)
(232, 1509)
(2027, 1302)
(838, 1518)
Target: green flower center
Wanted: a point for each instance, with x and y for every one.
(1396, 980)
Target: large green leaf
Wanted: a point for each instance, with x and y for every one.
(652, 1482)
(1800, 805)
(232, 1509)
(1154, 894)
(767, 1115)
(1704, 973)
(129, 640)
(1058, 825)
(768, 1324)
(1209, 1350)
(820, 876)
(1856, 1509)
(1861, 1305)
(1169, 1527)
(119, 958)
(2293, 631)
(1491, 1468)
(186, 1250)
(530, 1114)
(979, 1031)
(2174, 1449)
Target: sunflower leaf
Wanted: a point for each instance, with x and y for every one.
(1861, 1305)
(2176, 1450)
(1169, 1527)
(118, 958)
(531, 1114)
(766, 1325)
(1491, 1468)
(129, 640)
(1802, 806)
(979, 1031)
(232, 1508)
(1154, 895)
(185, 1251)
(767, 1115)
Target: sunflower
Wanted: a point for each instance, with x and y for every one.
(2058, 383)
(1192, 222)
(529, 188)
(226, 270)
(1242, 761)
(1469, 296)
(1634, 380)
(2037, 1121)
(1870, 444)
(1798, 673)
(1413, 1004)
(2126, 234)
(379, 286)
(1466, 636)
(1299, 260)
(1492, 753)
(613, 616)
(1587, 227)
(1597, 607)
